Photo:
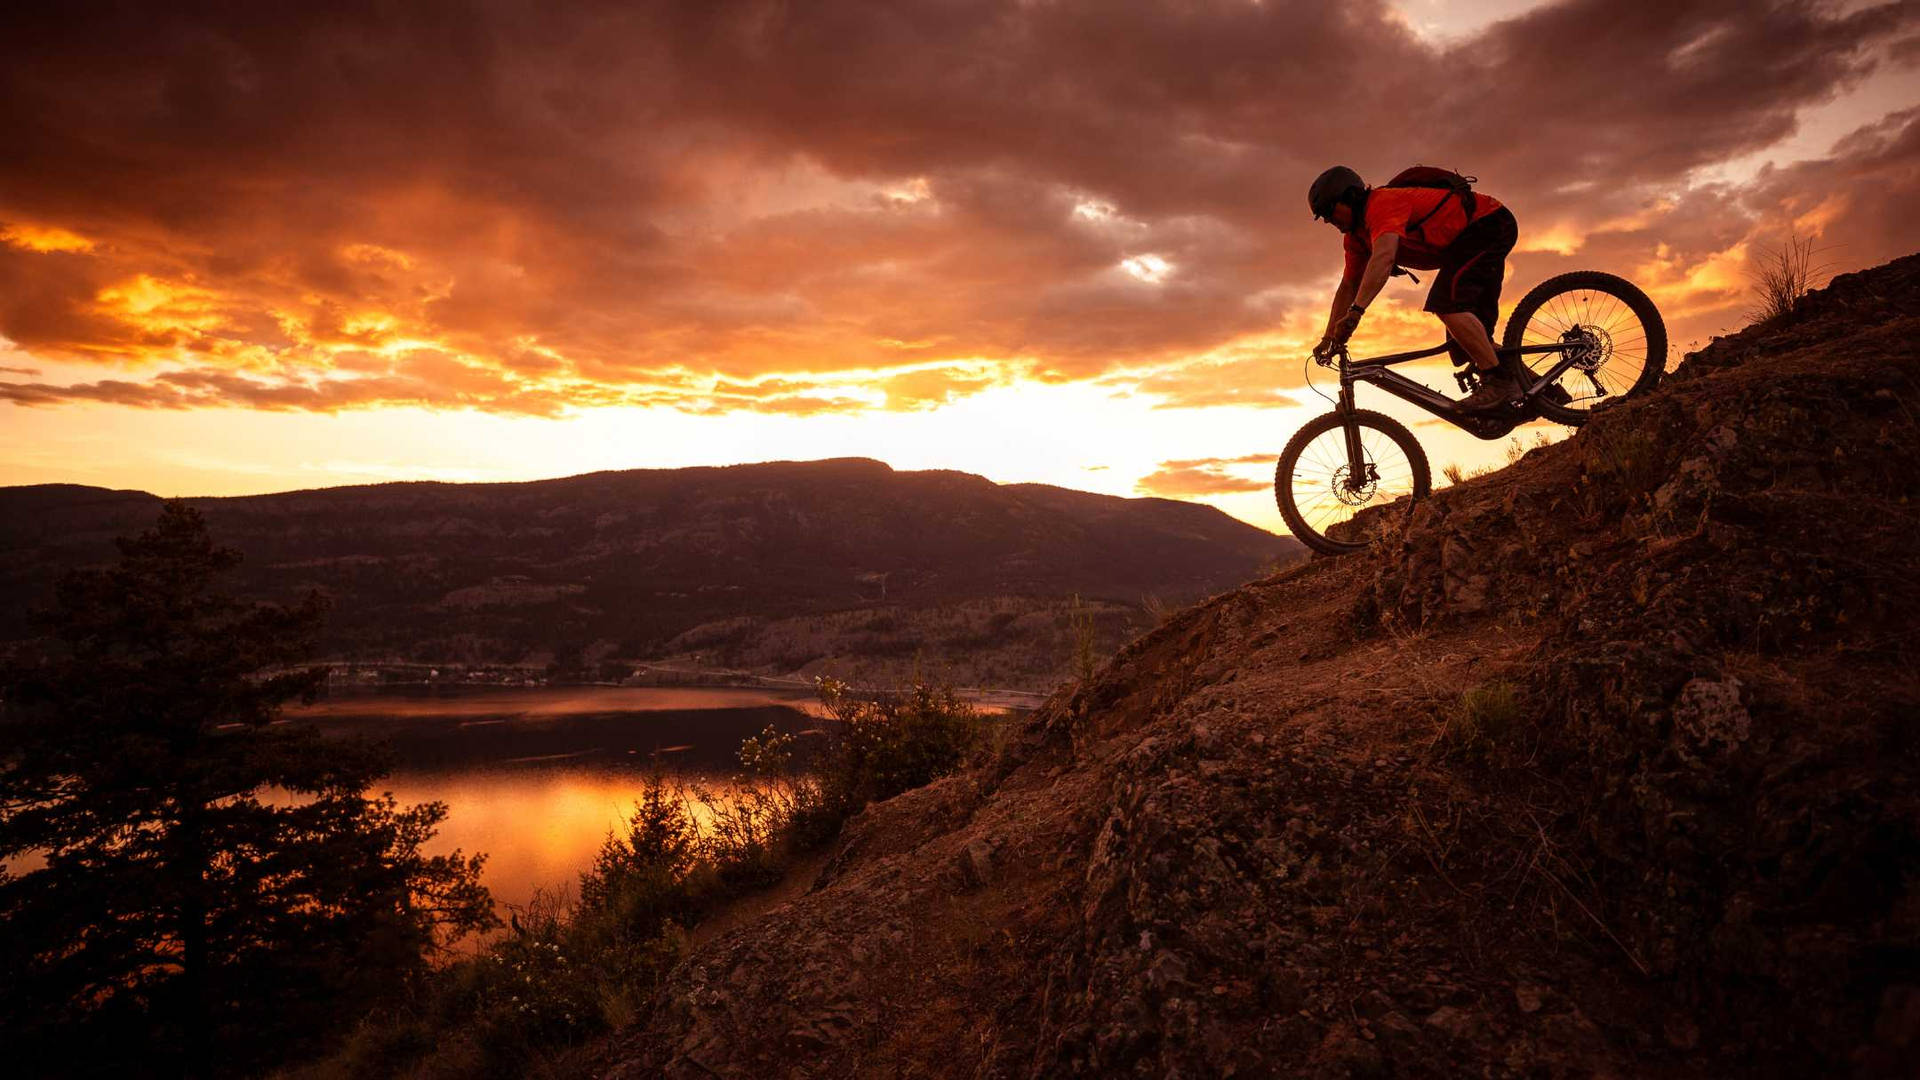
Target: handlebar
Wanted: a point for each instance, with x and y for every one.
(1326, 361)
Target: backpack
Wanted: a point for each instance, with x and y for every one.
(1432, 176)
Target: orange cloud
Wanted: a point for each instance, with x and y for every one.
(1206, 476)
(328, 211)
(43, 238)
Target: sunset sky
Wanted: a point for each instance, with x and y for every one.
(248, 250)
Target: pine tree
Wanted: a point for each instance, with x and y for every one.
(198, 888)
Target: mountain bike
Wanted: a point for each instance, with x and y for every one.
(1577, 342)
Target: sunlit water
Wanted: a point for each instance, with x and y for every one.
(535, 777)
(538, 827)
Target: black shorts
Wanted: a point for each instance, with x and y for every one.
(1472, 267)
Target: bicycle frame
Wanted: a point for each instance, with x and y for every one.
(1378, 371)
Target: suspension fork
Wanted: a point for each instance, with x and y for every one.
(1356, 454)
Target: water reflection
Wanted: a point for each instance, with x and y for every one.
(535, 777)
(540, 828)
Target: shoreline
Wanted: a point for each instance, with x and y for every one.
(644, 675)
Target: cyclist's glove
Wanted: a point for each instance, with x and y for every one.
(1325, 348)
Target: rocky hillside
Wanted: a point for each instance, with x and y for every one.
(1602, 765)
(623, 562)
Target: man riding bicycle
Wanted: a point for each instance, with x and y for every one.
(1464, 235)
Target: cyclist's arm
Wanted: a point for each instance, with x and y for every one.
(1342, 300)
(1380, 267)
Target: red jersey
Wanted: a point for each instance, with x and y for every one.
(1390, 210)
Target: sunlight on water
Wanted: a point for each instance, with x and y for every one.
(535, 777)
(539, 828)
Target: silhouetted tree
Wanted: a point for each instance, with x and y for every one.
(196, 887)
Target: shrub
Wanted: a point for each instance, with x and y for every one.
(890, 741)
(1484, 718)
(638, 878)
(1631, 458)
(1782, 275)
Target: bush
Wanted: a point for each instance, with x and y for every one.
(1483, 719)
(528, 990)
(1782, 275)
(890, 741)
(639, 877)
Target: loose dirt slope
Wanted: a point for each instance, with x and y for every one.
(1603, 765)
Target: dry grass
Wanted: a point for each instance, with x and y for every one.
(1782, 275)
(1483, 719)
(1455, 473)
(1085, 657)
(1516, 449)
(1158, 612)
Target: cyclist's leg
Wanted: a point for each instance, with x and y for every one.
(1467, 334)
(1466, 291)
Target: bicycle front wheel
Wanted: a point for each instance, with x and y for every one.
(1615, 331)
(1315, 488)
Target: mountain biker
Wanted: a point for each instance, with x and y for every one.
(1464, 237)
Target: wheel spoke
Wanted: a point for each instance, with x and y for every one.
(1316, 488)
(1602, 311)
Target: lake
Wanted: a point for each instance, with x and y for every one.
(535, 776)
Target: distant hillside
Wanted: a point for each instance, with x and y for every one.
(1603, 765)
(624, 563)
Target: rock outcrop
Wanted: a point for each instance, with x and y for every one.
(1603, 765)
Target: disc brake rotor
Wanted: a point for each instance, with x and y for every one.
(1353, 496)
(1591, 347)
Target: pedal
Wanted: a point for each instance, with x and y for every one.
(1464, 376)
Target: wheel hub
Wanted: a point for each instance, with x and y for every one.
(1353, 495)
(1590, 347)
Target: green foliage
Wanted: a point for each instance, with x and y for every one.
(891, 741)
(529, 988)
(637, 877)
(208, 879)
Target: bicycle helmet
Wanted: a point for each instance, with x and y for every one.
(1333, 187)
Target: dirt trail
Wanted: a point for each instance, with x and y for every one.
(1603, 765)
(795, 883)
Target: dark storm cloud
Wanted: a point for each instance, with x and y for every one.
(593, 203)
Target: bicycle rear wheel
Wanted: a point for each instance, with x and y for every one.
(1310, 482)
(1616, 331)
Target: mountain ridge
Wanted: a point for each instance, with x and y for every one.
(625, 563)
